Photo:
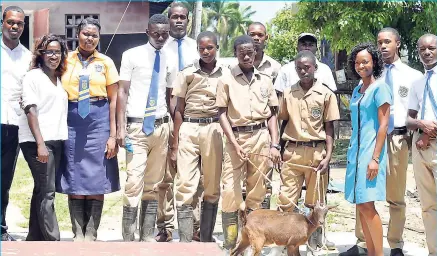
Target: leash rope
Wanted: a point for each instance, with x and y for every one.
(317, 191)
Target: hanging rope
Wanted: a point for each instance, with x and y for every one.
(115, 32)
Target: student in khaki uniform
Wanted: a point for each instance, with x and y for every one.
(269, 66)
(198, 142)
(308, 110)
(422, 118)
(143, 100)
(183, 50)
(247, 101)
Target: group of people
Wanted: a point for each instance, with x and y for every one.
(196, 130)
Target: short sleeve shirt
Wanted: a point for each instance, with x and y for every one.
(269, 66)
(247, 102)
(51, 104)
(416, 96)
(199, 90)
(287, 76)
(102, 72)
(307, 112)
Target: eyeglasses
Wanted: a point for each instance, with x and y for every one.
(50, 53)
(12, 23)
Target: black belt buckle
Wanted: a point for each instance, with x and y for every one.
(161, 121)
(201, 120)
(249, 128)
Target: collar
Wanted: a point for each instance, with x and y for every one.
(18, 48)
(396, 64)
(433, 69)
(317, 87)
(175, 39)
(265, 59)
(236, 71)
(95, 54)
(218, 66)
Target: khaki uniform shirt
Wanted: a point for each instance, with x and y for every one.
(248, 102)
(199, 90)
(269, 66)
(307, 112)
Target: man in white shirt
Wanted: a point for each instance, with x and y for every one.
(183, 51)
(422, 118)
(400, 77)
(15, 61)
(143, 96)
(287, 74)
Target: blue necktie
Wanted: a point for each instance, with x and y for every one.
(83, 105)
(149, 115)
(389, 81)
(425, 94)
(181, 58)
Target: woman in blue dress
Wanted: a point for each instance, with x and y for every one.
(367, 154)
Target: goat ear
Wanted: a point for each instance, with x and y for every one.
(311, 206)
(332, 206)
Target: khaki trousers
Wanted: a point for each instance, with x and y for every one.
(145, 168)
(200, 153)
(299, 164)
(396, 187)
(425, 174)
(166, 208)
(234, 169)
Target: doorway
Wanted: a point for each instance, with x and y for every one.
(25, 37)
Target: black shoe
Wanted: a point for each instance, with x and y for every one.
(7, 237)
(354, 251)
(396, 252)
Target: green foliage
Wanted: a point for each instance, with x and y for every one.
(345, 24)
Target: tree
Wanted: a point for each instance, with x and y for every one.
(345, 24)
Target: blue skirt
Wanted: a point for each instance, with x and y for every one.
(85, 170)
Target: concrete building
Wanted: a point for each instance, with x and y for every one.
(62, 17)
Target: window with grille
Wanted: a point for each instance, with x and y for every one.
(71, 23)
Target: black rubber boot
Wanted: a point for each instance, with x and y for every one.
(78, 216)
(207, 221)
(185, 223)
(129, 223)
(148, 213)
(93, 212)
(230, 229)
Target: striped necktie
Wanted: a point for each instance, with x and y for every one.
(149, 115)
(83, 103)
(389, 81)
(181, 57)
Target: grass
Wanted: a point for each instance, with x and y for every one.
(340, 150)
(21, 194)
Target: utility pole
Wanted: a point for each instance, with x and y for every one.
(197, 17)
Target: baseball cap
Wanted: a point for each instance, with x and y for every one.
(302, 35)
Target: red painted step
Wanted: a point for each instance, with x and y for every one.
(109, 249)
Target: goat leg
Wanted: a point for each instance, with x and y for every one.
(293, 251)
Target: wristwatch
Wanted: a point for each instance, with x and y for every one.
(277, 146)
(375, 159)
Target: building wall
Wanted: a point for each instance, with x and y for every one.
(134, 21)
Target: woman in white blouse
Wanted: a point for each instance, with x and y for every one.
(42, 130)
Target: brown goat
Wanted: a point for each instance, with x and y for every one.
(267, 227)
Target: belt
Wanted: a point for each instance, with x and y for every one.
(158, 121)
(312, 144)
(92, 99)
(249, 128)
(202, 120)
(399, 131)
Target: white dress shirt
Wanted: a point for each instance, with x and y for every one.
(416, 96)
(288, 76)
(137, 67)
(189, 51)
(403, 79)
(14, 65)
(51, 104)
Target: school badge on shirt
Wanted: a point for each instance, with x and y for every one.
(98, 67)
(316, 112)
(264, 92)
(403, 91)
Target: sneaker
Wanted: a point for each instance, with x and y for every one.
(7, 237)
(164, 236)
(354, 251)
(396, 252)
